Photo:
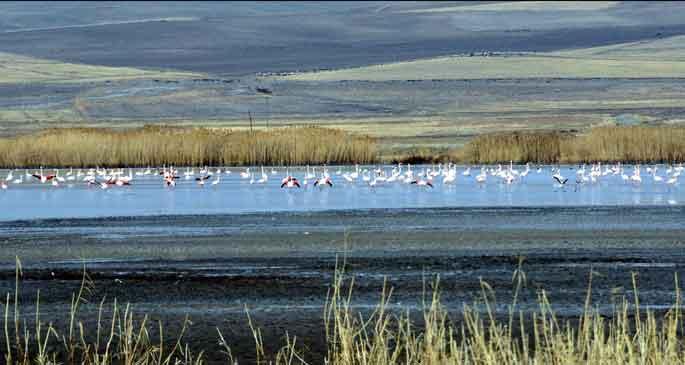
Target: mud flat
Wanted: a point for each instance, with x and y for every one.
(280, 266)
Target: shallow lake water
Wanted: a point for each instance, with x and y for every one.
(147, 194)
(210, 252)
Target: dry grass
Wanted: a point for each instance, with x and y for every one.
(629, 144)
(22, 69)
(627, 336)
(541, 147)
(519, 6)
(606, 144)
(655, 58)
(154, 146)
(502, 67)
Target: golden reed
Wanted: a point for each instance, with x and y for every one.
(606, 144)
(155, 146)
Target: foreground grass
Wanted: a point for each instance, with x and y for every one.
(155, 146)
(628, 336)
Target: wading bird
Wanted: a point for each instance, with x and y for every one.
(561, 182)
(43, 178)
(324, 181)
(201, 180)
(422, 182)
(290, 182)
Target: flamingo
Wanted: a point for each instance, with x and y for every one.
(422, 182)
(365, 176)
(170, 180)
(216, 181)
(324, 181)
(450, 177)
(672, 181)
(310, 175)
(562, 181)
(201, 180)
(125, 180)
(512, 170)
(482, 177)
(656, 177)
(189, 173)
(355, 174)
(372, 184)
(526, 171)
(43, 178)
(290, 182)
(264, 179)
(636, 175)
(120, 182)
(57, 177)
(245, 174)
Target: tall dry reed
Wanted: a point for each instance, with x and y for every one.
(627, 144)
(539, 147)
(605, 144)
(154, 146)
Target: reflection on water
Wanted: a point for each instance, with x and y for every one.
(148, 196)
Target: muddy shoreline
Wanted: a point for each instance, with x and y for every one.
(280, 267)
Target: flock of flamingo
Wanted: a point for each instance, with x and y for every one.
(426, 177)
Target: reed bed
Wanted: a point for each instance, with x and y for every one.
(628, 144)
(539, 147)
(155, 146)
(637, 144)
(628, 336)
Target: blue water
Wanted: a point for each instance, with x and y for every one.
(233, 195)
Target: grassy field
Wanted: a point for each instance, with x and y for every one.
(628, 335)
(17, 69)
(520, 6)
(504, 67)
(668, 49)
(410, 108)
(660, 58)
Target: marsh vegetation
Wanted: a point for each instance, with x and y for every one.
(606, 144)
(155, 146)
(628, 335)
